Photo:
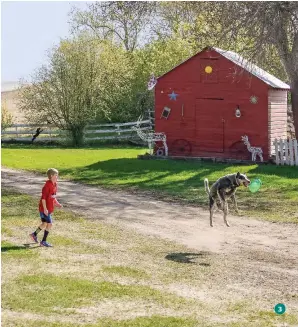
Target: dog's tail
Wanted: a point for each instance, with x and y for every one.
(206, 183)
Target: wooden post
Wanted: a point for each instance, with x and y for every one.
(282, 158)
(296, 152)
(291, 152)
(287, 151)
(277, 161)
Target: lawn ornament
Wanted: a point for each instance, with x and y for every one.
(254, 150)
(152, 138)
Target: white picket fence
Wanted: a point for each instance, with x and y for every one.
(116, 131)
(286, 152)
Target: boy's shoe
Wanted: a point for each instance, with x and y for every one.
(33, 237)
(44, 243)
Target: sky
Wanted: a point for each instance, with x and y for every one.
(28, 30)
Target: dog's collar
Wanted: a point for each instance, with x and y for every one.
(236, 184)
(233, 181)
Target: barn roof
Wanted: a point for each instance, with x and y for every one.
(245, 64)
(253, 69)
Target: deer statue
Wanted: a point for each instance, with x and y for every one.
(254, 150)
(151, 137)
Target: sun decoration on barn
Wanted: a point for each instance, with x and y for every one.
(208, 69)
(254, 99)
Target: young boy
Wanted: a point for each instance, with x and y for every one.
(46, 206)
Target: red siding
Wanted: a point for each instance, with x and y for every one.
(208, 125)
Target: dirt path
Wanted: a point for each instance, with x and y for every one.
(184, 224)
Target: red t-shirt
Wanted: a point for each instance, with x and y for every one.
(48, 193)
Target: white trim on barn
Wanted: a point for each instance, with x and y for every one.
(277, 117)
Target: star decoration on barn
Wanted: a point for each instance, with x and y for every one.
(254, 99)
(173, 96)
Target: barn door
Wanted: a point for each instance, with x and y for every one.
(210, 124)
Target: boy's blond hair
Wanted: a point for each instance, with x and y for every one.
(51, 172)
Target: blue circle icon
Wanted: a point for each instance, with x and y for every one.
(280, 308)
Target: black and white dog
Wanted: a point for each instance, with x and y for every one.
(223, 189)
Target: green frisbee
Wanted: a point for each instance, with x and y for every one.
(255, 185)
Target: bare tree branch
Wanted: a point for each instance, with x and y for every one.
(124, 21)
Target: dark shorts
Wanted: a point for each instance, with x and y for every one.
(46, 219)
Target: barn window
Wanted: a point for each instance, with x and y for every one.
(165, 113)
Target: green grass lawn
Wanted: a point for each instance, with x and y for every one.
(99, 275)
(118, 167)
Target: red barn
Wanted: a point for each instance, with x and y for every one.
(205, 104)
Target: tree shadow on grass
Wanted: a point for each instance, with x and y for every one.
(130, 171)
(272, 171)
(188, 258)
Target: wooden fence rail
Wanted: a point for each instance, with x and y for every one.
(286, 152)
(117, 131)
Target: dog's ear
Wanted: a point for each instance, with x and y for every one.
(238, 175)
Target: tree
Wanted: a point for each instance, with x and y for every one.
(66, 91)
(6, 117)
(175, 19)
(116, 82)
(125, 22)
(161, 56)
